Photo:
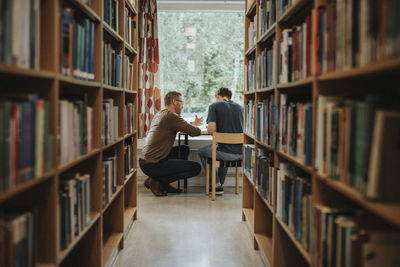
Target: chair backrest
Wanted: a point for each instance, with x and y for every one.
(225, 138)
(228, 138)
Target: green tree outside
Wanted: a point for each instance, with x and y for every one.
(198, 63)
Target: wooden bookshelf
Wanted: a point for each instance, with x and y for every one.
(20, 188)
(299, 246)
(111, 248)
(129, 135)
(78, 160)
(389, 65)
(86, 9)
(274, 238)
(269, 147)
(249, 135)
(74, 81)
(271, 208)
(16, 71)
(98, 243)
(113, 88)
(130, 49)
(296, 84)
(129, 214)
(250, 92)
(112, 144)
(265, 244)
(267, 34)
(291, 12)
(64, 253)
(266, 89)
(117, 192)
(250, 7)
(251, 50)
(295, 160)
(249, 217)
(388, 211)
(117, 37)
(131, 7)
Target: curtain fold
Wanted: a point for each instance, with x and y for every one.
(149, 94)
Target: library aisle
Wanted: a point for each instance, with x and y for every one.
(189, 230)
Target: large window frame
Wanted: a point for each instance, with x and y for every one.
(205, 6)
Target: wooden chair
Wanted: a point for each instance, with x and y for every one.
(225, 138)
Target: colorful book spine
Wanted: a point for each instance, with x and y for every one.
(24, 137)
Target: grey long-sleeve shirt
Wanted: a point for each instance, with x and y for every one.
(162, 133)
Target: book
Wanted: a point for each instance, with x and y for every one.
(383, 171)
(18, 238)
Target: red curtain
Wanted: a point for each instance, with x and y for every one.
(149, 77)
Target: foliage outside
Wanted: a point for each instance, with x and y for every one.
(217, 56)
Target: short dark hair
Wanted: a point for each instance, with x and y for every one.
(171, 96)
(224, 92)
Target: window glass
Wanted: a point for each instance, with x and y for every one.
(200, 52)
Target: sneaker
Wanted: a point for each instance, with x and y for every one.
(218, 190)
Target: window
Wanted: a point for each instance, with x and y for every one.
(201, 51)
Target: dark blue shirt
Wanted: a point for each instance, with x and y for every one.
(228, 116)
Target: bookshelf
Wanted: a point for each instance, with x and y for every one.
(293, 63)
(65, 83)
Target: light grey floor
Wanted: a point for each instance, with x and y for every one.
(189, 230)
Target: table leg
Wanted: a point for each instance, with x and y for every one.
(185, 181)
(179, 156)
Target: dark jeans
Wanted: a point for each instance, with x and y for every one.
(172, 168)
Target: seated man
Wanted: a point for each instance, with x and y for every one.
(160, 160)
(224, 116)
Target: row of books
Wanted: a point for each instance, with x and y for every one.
(354, 33)
(266, 62)
(130, 118)
(344, 237)
(286, 127)
(133, 3)
(249, 159)
(75, 127)
(265, 174)
(110, 176)
(110, 130)
(295, 129)
(20, 33)
(76, 45)
(130, 28)
(267, 15)
(356, 144)
(25, 141)
(295, 52)
(111, 13)
(293, 202)
(285, 5)
(129, 156)
(112, 68)
(250, 117)
(250, 73)
(266, 115)
(18, 239)
(74, 201)
(129, 74)
(252, 33)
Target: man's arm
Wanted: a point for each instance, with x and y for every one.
(212, 127)
(179, 124)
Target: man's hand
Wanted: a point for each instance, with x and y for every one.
(197, 121)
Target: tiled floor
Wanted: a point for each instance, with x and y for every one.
(189, 230)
